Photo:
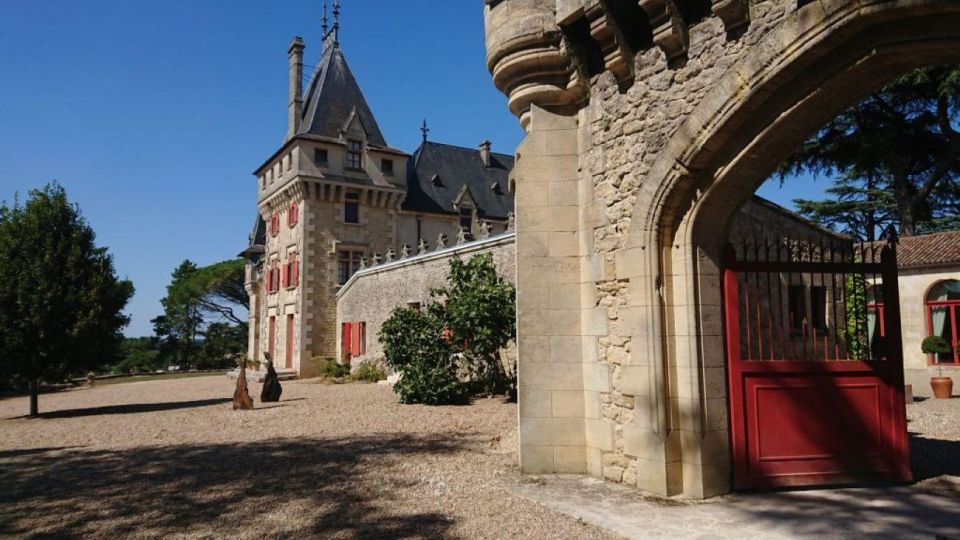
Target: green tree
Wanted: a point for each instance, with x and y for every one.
(62, 302)
(138, 355)
(181, 321)
(450, 351)
(480, 311)
(897, 157)
(220, 341)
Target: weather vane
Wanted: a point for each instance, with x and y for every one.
(424, 129)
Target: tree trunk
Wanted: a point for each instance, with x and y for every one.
(34, 390)
(908, 227)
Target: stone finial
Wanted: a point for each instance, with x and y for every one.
(375, 259)
(390, 256)
(485, 229)
(363, 262)
(441, 241)
(405, 251)
(422, 247)
(461, 236)
(511, 222)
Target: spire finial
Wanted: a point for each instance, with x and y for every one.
(424, 130)
(331, 36)
(323, 23)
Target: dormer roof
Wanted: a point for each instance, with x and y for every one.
(441, 176)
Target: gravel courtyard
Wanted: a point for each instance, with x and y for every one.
(345, 461)
(170, 458)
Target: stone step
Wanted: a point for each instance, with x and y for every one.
(258, 376)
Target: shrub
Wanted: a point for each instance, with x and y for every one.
(449, 352)
(330, 369)
(369, 373)
(934, 345)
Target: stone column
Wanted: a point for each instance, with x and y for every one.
(553, 438)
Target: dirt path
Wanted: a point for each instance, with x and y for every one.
(346, 461)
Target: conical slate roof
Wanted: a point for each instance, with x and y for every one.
(333, 98)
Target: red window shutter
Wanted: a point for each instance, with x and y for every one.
(296, 271)
(286, 273)
(355, 335)
(345, 339)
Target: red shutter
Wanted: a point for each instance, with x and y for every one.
(345, 340)
(286, 275)
(355, 341)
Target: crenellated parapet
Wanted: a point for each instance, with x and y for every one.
(543, 52)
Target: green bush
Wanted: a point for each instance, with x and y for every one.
(448, 353)
(369, 373)
(330, 369)
(934, 345)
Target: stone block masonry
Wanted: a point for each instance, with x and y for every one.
(371, 294)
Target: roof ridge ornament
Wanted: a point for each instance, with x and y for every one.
(424, 130)
(331, 37)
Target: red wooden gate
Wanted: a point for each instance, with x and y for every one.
(816, 392)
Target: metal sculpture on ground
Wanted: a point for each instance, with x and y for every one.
(271, 384)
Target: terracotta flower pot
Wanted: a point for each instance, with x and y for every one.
(942, 387)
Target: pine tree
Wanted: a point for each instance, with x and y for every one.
(897, 155)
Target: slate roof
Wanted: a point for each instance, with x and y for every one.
(258, 239)
(926, 250)
(457, 170)
(333, 97)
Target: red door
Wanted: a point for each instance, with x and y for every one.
(272, 339)
(289, 352)
(816, 393)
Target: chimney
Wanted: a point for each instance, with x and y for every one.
(296, 86)
(485, 153)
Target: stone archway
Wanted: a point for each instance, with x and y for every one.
(672, 132)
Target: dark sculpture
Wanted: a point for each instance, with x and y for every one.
(271, 384)
(241, 397)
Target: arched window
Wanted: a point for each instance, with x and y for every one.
(943, 314)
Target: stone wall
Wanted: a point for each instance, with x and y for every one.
(372, 293)
(648, 125)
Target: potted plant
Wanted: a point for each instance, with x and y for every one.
(942, 386)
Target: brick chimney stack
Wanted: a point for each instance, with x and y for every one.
(295, 108)
(485, 153)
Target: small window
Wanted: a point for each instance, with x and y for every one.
(354, 155)
(293, 214)
(797, 304)
(414, 306)
(351, 208)
(291, 271)
(274, 224)
(348, 262)
(466, 218)
(386, 165)
(320, 157)
(818, 307)
(288, 159)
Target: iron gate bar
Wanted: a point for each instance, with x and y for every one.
(838, 385)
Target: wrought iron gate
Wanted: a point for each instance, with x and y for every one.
(815, 367)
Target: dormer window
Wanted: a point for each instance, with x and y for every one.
(354, 155)
(466, 218)
(320, 157)
(386, 165)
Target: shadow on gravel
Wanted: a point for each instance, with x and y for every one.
(131, 408)
(281, 487)
(936, 458)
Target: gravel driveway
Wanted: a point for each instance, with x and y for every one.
(168, 458)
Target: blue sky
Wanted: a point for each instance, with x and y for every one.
(153, 113)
